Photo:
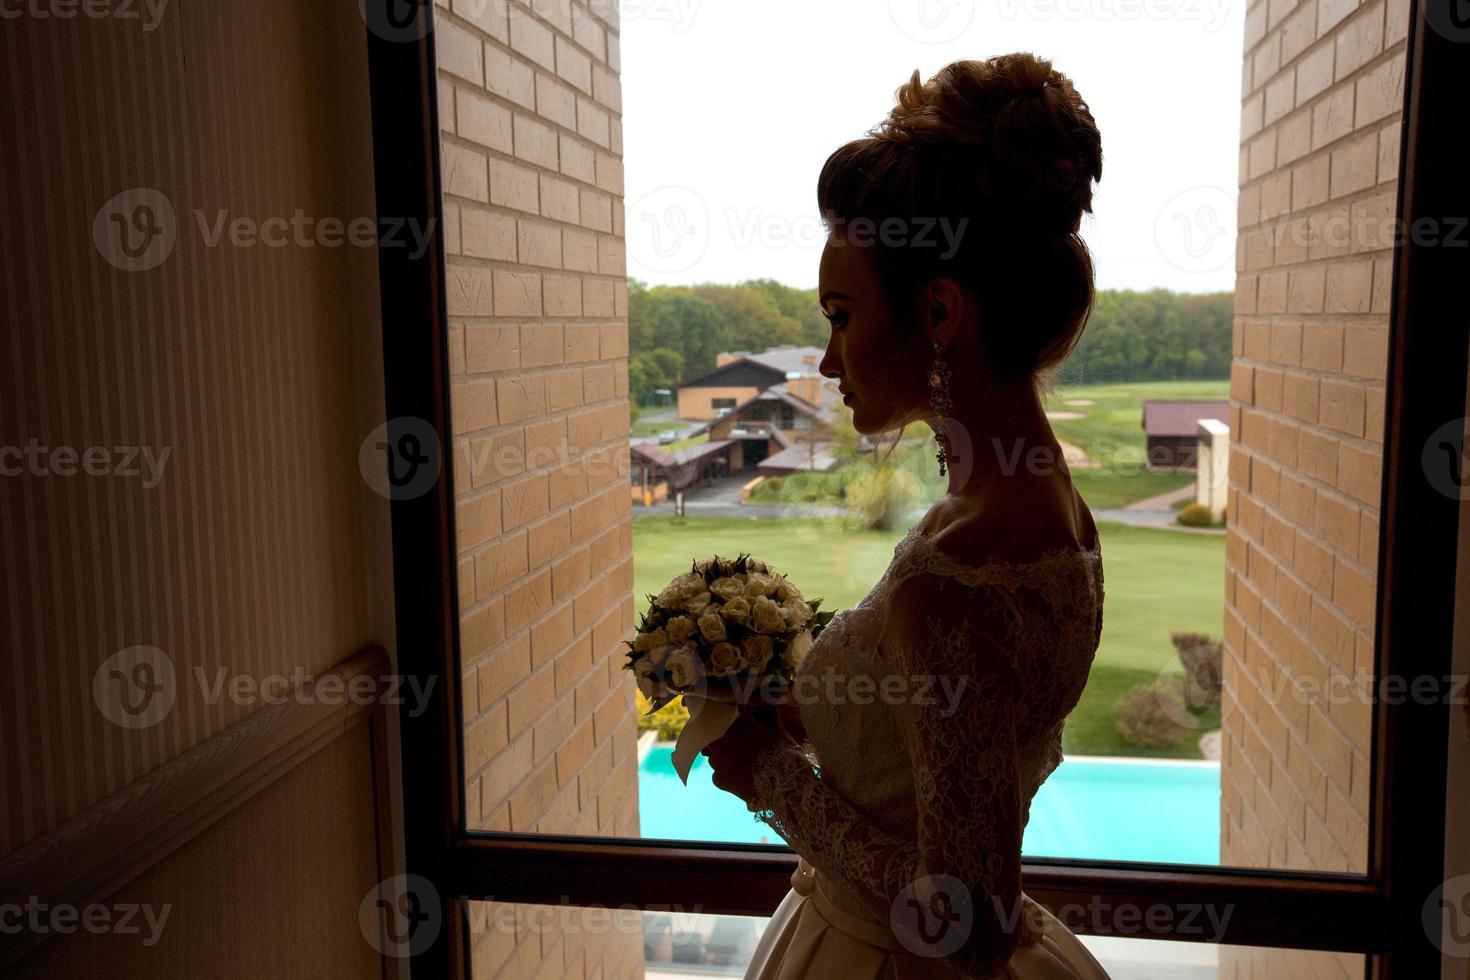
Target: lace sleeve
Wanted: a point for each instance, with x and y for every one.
(966, 853)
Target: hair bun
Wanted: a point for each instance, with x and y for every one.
(1020, 127)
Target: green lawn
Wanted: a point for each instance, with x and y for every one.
(1157, 582)
(1111, 433)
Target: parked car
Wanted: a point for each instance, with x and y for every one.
(666, 436)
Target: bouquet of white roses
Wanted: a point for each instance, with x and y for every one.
(717, 633)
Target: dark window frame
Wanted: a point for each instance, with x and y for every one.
(1377, 914)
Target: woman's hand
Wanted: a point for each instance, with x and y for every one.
(733, 753)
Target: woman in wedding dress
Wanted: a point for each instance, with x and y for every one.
(922, 721)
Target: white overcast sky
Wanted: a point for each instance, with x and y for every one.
(731, 106)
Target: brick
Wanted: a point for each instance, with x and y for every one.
(513, 186)
(531, 38)
(556, 102)
(563, 295)
(491, 347)
(535, 142)
(1332, 117)
(520, 398)
(587, 32)
(469, 290)
(464, 172)
(488, 234)
(477, 519)
(538, 243)
(1350, 287)
(509, 77)
(593, 122)
(458, 52)
(1322, 345)
(607, 88)
(572, 65)
(1360, 40)
(1342, 407)
(1355, 165)
(1314, 73)
(596, 210)
(1380, 92)
(1330, 13)
(484, 122)
(473, 406)
(488, 15)
(1365, 352)
(577, 160)
(1298, 31)
(517, 293)
(559, 200)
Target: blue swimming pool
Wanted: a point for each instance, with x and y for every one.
(1110, 809)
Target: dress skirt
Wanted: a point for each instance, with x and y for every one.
(810, 938)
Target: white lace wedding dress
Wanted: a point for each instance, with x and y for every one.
(882, 804)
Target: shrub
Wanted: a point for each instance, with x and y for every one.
(881, 499)
(1146, 715)
(668, 721)
(1203, 661)
(1195, 515)
(773, 484)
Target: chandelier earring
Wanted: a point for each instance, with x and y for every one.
(940, 404)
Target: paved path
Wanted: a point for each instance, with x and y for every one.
(723, 500)
(1164, 501)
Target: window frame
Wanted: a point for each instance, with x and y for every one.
(1377, 913)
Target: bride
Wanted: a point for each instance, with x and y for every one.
(923, 721)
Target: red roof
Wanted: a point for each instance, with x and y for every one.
(1178, 416)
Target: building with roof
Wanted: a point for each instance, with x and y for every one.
(1171, 429)
(765, 414)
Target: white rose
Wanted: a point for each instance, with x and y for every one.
(727, 587)
(643, 671)
(712, 626)
(767, 615)
(785, 591)
(757, 649)
(679, 629)
(797, 648)
(683, 666)
(759, 584)
(726, 659)
(650, 641)
(797, 613)
(688, 584)
(696, 604)
(737, 609)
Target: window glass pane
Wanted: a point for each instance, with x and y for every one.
(622, 410)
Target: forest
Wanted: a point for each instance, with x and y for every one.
(674, 332)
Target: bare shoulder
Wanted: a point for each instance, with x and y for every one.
(1017, 526)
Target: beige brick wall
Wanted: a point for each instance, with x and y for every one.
(1320, 120)
(530, 113)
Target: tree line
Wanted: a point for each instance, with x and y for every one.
(674, 332)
